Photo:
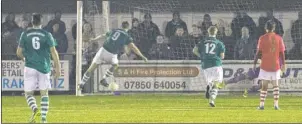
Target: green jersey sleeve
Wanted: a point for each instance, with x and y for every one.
(200, 47)
(129, 40)
(108, 33)
(22, 40)
(51, 41)
(221, 47)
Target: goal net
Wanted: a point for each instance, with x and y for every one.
(166, 32)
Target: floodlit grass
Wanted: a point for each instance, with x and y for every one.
(155, 108)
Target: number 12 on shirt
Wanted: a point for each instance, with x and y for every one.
(210, 47)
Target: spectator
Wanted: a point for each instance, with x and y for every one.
(74, 30)
(27, 17)
(61, 39)
(9, 45)
(9, 25)
(89, 47)
(177, 38)
(221, 29)
(74, 36)
(24, 25)
(148, 34)
(160, 50)
(73, 64)
(195, 36)
(134, 32)
(88, 33)
(56, 20)
(261, 30)
(242, 20)
(175, 22)
(296, 34)
(226, 39)
(9, 38)
(270, 16)
(207, 22)
(245, 47)
(181, 46)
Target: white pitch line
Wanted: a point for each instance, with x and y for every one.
(146, 109)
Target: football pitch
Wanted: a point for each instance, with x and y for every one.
(155, 108)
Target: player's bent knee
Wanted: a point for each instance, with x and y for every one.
(44, 92)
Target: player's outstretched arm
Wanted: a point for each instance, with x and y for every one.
(20, 54)
(55, 58)
(98, 37)
(137, 51)
(195, 51)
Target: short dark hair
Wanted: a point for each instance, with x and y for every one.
(147, 15)
(134, 20)
(207, 15)
(270, 25)
(125, 24)
(36, 19)
(176, 13)
(58, 12)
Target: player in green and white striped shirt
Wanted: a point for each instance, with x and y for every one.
(116, 40)
(211, 51)
(35, 48)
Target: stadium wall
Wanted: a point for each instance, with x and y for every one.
(187, 76)
(155, 76)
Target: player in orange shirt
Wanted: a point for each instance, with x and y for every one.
(270, 48)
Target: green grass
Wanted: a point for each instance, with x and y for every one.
(155, 108)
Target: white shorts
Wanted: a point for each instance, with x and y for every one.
(213, 74)
(104, 56)
(264, 75)
(35, 80)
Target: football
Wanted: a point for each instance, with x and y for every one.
(113, 86)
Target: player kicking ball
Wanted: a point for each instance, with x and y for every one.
(211, 51)
(115, 42)
(270, 49)
(35, 47)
